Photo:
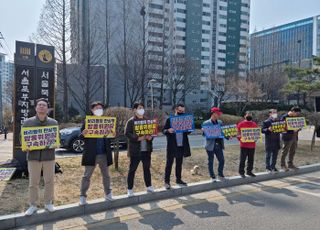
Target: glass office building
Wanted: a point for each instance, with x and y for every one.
(290, 44)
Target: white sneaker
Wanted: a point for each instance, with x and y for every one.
(83, 200)
(130, 193)
(49, 207)
(31, 210)
(150, 189)
(213, 180)
(222, 178)
(108, 197)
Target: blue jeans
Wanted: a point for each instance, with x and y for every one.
(271, 159)
(217, 150)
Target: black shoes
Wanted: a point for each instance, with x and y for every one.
(251, 174)
(181, 182)
(243, 176)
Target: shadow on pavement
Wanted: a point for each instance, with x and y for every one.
(205, 210)
(160, 219)
(242, 198)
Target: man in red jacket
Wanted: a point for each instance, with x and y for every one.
(247, 149)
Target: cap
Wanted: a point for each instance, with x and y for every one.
(216, 110)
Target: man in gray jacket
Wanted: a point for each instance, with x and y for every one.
(215, 146)
(41, 160)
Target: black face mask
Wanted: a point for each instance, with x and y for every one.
(249, 118)
(180, 113)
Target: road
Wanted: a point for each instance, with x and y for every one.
(288, 204)
(196, 141)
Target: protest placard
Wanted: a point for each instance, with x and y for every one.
(37, 138)
(100, 126)
(278, 127)
(182, 123)
(250, 134)
(146, 127)
(212, 131)
(230, 131)
(6, 173)
(295, 123)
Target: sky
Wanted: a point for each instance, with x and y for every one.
(19, 18)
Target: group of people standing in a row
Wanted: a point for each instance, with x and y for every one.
(97, 151)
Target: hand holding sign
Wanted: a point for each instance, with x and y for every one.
(182, 123)
(250, 135)
(146, 127)
(295, 123)
(99, 126)
(171, 130)
(212, 131)
(38, 138)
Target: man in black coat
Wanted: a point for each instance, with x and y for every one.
(272, 141)
(177, 148)
(290, 141)
(139, 149)
(97, 151)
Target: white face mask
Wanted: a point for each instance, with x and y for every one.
(274, 115)
(98, 112)
(140, 112)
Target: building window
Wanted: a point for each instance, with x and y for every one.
(206, 31)
(181, 19)
(158, 16)
(245, 13)
(206, 23)
(181, 29)
(180, 11)
(155, 6)
(155, 25)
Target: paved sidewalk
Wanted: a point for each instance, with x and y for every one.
(286, 201)
(6, 147)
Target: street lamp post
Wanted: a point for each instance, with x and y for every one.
(143, 14)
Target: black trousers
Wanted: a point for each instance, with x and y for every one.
(145, 157)
(169, 163)
(244, 154)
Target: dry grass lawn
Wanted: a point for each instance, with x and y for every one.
(14, 194)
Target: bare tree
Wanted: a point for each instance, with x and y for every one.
(88, 75)
(125, 42)
(8, 93)
(243, 92)
(182, 77)
(107, 49)
(271, 82)
(54, 29)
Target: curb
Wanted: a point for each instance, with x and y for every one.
(99, 205)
